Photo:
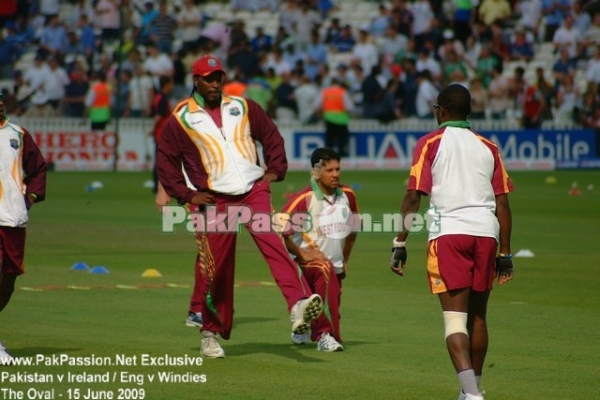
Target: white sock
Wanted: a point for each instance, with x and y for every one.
(468, 382)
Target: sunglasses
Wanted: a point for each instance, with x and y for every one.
(437, 106)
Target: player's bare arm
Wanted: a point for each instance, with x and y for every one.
(410, 204)
(504, 262)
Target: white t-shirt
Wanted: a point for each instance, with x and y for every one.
(426, 96)
(56, 84)
(139, 89)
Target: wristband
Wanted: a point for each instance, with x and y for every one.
(396, 243)
(33, 195)
(503, 255)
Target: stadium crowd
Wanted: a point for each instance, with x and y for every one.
(393, 64)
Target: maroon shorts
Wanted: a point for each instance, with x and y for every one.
(12, 249)
(461, 261)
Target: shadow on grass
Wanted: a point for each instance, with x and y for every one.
(33, 351)
(300, 353)
(252, 320)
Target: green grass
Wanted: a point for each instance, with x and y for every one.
(543, 325)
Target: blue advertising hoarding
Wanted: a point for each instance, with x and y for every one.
(565, 147)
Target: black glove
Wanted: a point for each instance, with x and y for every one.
(399, 257)
(504, 265)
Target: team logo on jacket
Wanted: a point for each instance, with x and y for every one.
(234, 111)
(14, 143)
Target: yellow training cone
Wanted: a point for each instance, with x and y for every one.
(151, 273)
(551, 179)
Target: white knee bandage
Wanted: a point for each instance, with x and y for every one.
(455, 322)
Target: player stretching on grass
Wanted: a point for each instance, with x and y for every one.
(464, 175)
(323, 250)
(213, 136)
(22, 183)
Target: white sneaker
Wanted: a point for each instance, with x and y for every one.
(328, 344)
(5, 358)
(194, 319)
(463, 396)
(210, 346)
(301, 338)
(304, 312)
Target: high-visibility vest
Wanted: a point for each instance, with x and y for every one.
(333, 99)
(100, 109)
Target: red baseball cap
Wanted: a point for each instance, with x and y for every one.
(206, 65)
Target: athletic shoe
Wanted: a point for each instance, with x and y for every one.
(328, 344)
(194, 319)
(463, 396)
(5, 358)
(210, 346)
(304, 312)
(301, 338)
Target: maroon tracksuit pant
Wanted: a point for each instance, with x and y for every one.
(218, 262)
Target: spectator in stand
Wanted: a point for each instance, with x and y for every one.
(484, 69)
(401, 18)
(391, 44)
(162, 29)
(530, 12)
(529, 101)
(49, 8)
(287, 15)
(567, 37)
(586, 110)
(479, 99)
(158, 64)
(581, 19)
(25, 33)
(547, 91)
(81, 8)
(564, 66)
(492, 11)
(372, 93)
(450, 43)
(499, 94)
(109, 19)
(410, 85)
(520, 48)
(365, 51)
(306, 94)
(426, 95)
(142, 24)
(333, 32)
(87, 38)
(244, 59)
(261, 42)
(55, 85)
(345, 42)
(142, 93)
(306, 19)
(379, 24)
(189, 21)
(8, 56)
(75, 95)
(454, 70)
(591, 37)
(592, 70)
(554, 12)
(325, 8)
(463, 18)
(499, 45)
(566, 99)
(286, 108)
(121, 95)
(54, 40)
(316, 55)
(276, 61)
(37, 75)
(426, 61)
(423, 22)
